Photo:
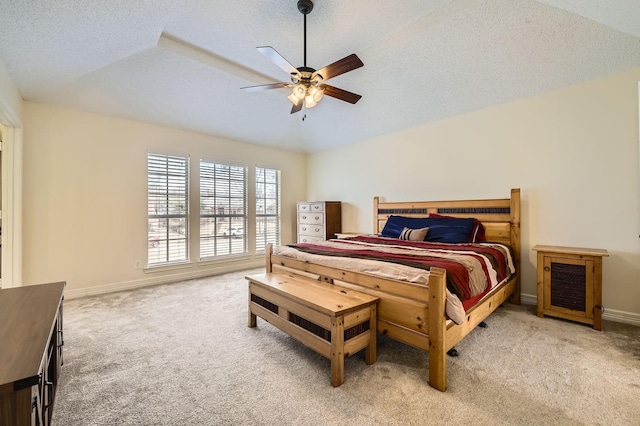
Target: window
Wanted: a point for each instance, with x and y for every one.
(167, 209)
(223, 209)
(267, 208)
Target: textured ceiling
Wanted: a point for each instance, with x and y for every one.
(425, 60)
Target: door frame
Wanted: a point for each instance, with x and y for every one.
(11, 204)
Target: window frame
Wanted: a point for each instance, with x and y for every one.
(165, 192)
(265, 216)
(216, 237)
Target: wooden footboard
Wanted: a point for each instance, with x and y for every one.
(415, 313)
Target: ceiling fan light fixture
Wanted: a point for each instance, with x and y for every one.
(293, 99)
(309, 102)
(316, 93)
(299, 91)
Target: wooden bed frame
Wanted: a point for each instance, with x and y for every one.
(414, 313)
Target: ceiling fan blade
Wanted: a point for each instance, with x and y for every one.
(341, 94)
(187, 50)
(265, 87)
(277, 59)
(297, 107)
(345, 64)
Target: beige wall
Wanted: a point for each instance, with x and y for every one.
(573, 152)
(85, 197)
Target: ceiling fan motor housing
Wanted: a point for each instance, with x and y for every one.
(305, 6)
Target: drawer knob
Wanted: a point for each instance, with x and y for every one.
(304, 229)
(317, 217)
(317, 229)
(546, 268)
(304, 217)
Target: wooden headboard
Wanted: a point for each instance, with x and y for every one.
(500, 217)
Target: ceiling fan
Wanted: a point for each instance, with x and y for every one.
(307, 83)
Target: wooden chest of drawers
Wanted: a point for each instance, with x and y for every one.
(318, 220)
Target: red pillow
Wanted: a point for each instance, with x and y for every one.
(477, 233)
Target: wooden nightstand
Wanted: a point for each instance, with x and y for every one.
(570, 283)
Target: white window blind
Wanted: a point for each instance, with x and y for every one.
(267, 208)
(223, 209)
(167, 209)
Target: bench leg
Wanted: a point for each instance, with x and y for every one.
(337, 351)
(252, 317)
(370, 353)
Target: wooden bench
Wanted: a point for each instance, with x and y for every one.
(333, 321)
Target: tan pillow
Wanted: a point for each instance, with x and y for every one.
(414, 234)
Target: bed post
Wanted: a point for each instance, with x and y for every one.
(268, 258)
(515, 240)
(437, 329)
(376, 200)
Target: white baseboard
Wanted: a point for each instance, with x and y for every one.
(621, 316)
(164, 279)
(608, 314)
(528, 299)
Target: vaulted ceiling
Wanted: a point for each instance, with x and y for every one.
(181, 64)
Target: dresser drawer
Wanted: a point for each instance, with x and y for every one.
(308, 239)
(311, 218)
(311, 230)
(311, 207)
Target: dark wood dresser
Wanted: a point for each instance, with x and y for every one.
(31, 341)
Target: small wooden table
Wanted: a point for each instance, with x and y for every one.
(333, 321)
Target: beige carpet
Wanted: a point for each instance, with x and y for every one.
(182, 354)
